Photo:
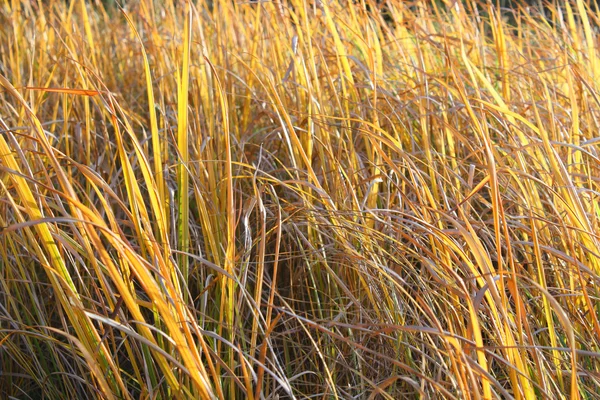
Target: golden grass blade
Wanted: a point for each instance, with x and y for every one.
(183, 216)
(158, 198)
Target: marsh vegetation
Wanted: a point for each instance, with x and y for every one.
(298, 199)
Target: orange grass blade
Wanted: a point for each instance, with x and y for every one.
(80, 92)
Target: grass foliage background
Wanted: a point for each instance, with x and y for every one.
(296, 200)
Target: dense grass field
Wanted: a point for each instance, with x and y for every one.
(292, 200)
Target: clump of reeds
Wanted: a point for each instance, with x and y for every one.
(271, 200)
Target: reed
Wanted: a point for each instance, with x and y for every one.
(266, 200)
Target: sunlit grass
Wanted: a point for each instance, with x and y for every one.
(295, 200)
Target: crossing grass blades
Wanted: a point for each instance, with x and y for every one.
(325, 199)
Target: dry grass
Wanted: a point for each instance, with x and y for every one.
(298, 200)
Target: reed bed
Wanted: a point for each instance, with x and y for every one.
(326, 199)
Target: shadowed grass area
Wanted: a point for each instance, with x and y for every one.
(298, 200)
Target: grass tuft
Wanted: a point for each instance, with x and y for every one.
(266, 200)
